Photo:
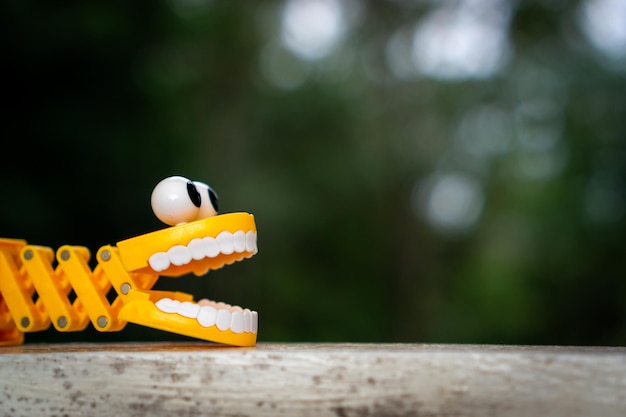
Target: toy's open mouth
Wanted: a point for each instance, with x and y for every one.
(194, 247)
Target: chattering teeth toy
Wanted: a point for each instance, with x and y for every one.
(34, 294)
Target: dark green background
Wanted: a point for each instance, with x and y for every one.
(103, 99)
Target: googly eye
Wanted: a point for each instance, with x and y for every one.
(209, 204)
(176, 200)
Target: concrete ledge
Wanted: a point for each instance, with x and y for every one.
(193, 379)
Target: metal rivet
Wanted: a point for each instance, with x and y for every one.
(28, 254)
(102, 321)
(105, 255)
(125, 288)
(65, 255)
(62, 322)
(25, 322)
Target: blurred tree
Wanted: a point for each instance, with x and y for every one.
(419, 171)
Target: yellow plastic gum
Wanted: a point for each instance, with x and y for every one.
(34, 294)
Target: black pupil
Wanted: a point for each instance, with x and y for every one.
(194, 195)
(213, 198)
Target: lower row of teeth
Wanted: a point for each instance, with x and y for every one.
(208, 313)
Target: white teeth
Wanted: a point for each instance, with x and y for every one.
(226, 242)
(188, 309)
(236, 322)
(223, 319)
(239, 241)
(210, 313)
(251, 241)
(207, 316)
(254, 321)
(197, 249)
(212, 248)
(159, 261)
(179, 255)
(247, 325)
(168, 305)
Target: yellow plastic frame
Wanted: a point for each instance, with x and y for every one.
(26, 270)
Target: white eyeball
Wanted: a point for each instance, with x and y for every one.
(176, 200)
(209, 203)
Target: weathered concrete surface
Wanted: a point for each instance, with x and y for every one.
(362, 380)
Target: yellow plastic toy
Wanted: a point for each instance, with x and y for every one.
(34, 294)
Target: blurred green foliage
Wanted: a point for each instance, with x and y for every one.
(392, 205)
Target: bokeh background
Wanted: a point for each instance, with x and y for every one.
(420, 171)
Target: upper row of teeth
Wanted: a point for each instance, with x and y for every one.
(225, 243)
(236, 319)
